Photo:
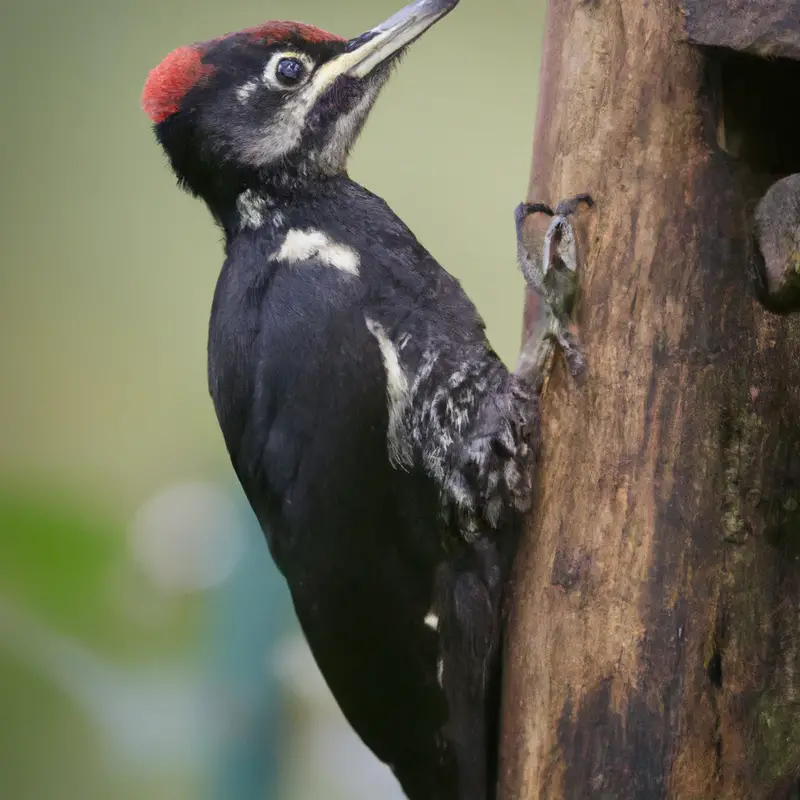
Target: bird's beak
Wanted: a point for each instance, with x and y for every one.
(365, 52)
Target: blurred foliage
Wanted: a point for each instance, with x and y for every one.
(56, 560)
(71, 611)
(68, 566)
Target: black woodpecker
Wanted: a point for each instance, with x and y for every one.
(384, 447)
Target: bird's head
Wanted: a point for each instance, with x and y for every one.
(277, 103)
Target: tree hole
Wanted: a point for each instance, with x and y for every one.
(714, 669)
(757, 102)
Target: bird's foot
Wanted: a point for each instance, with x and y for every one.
(551, 270)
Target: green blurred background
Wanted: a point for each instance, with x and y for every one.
(147, 648)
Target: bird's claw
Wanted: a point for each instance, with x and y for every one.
(569, 206)
(524, 210)
(551, 270)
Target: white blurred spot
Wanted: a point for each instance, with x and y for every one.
(188, 537)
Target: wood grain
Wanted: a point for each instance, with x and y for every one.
(654, 646)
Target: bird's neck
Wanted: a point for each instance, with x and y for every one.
(265, 202)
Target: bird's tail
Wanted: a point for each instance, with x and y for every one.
(496, 671)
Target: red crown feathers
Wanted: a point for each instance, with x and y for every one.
(168, 83)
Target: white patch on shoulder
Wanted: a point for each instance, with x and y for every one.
(251, 208)
(432, 621)
(299, 245)
(245, 91)
(398, 397)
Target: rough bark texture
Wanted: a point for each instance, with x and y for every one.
(654, 644)
(762, 27)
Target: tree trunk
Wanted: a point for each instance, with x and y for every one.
(654, 642)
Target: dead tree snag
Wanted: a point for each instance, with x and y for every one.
(654, 645)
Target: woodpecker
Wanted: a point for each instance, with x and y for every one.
(384, 447)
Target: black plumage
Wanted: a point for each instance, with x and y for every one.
(383, 445)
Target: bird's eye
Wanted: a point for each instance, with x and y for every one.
(287, 70)
(290, 70)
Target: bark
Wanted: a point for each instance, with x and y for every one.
(654, 638)
(762, 27)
